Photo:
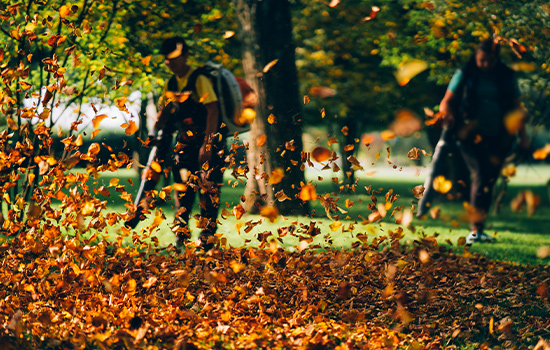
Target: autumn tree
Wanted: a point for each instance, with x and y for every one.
(275, 154)
(341, 72)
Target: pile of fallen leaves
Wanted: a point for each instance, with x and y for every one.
(61, 291)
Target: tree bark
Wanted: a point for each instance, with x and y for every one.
(267, 36)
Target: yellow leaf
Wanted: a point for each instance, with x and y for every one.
(270, 212)
(409, 70)
(442, 185)
(88, 208)
(25, 85)
(277, 176)
(79, 140)
(248, 115)
(308, 193)
(335, 226)
(387, 135)
(179, 187)
(271, 119)
(113, 182)
(228, 34)
(509, 170)
(64, 11)
(513, 121)
(156, 167)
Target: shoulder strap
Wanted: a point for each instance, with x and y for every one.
(192, 81)
(173, 83)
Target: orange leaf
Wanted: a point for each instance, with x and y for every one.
(320, 154)
(260, 141)
(156, 167)
(387, 135)
(94, 133)
(131, 128)
(270, 65)
(97, 119)
(308, 193)
(64, 11)
(270, 212)
(276, 176)
(238, 211)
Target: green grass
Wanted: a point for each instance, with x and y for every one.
(519, 236)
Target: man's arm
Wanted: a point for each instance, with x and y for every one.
(448, 108)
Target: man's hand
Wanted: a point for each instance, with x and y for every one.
(448, 121)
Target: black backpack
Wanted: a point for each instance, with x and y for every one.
(228, 92)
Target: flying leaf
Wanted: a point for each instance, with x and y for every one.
(271, 119)
(334, 3)
(418, 191)
(374, 11)
(335, 226)
(441, 184)
(238, 211)
(228, 34)
(405, 123)
(270, 212)
(387, 135)
(409, 70)
(260, 141)
(320, 154)
(308, 193)
(156, 167)
(322, 91)
(64, 11)
(270, 65)
(25, 85)
(130, 127)
(523, 66)
(276, 176)
(513, 121)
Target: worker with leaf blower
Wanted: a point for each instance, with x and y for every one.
(188, 108)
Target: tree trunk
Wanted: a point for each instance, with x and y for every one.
(267, 36)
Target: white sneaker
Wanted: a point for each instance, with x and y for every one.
(479, 237)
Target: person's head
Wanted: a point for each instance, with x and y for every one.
(487, 54)
(175, 52)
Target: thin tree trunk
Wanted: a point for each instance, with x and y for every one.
(267, 36)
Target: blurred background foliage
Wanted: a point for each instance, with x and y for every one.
(347, 53)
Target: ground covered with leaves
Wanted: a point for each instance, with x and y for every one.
(65, 292)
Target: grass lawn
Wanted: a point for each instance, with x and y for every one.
(519, 236)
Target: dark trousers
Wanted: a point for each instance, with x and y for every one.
(195, 179)
(484, 161)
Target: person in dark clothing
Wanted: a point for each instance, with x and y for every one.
(189, 108)
(479, 101)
